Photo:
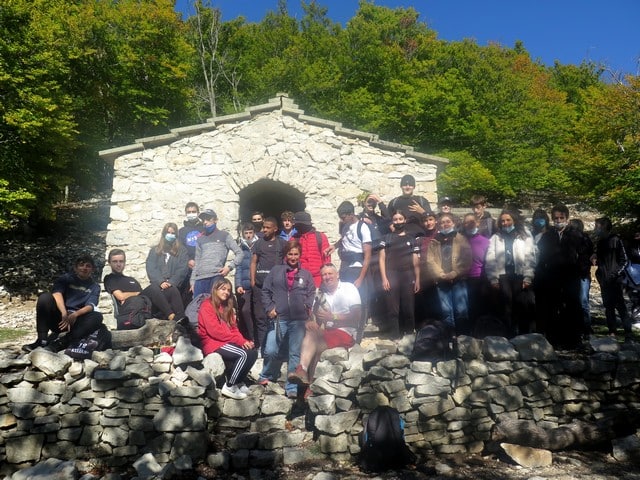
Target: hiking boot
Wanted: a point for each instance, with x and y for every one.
(233, 391)
(32, 346)
(59, 344)
(299, 376)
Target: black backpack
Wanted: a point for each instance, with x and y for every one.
(383, 445)
(433, 342)
(134, 313)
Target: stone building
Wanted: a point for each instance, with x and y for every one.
(272, 158)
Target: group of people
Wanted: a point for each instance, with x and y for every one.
(401, 266)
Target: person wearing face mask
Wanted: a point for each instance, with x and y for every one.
(539, 224)
(448, 262)
(167, 269)
(257, 218)
(314, 244)
(509, 267)
(561, 253)
(399, 263)
(188, 235)
(212, 251)
(477, 287)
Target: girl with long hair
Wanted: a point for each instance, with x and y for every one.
(167, 269)
(218, 330)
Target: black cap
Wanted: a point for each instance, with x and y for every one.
(408, 180)
(445, 201)
(302, 217)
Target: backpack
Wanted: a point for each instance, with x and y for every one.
(432, 343)
(383, 445)
(133, 313)
(191, 312)
(97, 341)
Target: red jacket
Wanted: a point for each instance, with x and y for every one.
(313, 244)
(215, 332)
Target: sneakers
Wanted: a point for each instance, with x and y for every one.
(32, 346)
(233, 391)
(244, 389)
(263, 381)
(299, 376)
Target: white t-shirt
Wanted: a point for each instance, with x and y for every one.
(351, 241)
(341, 301)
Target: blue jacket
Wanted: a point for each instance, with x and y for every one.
(294, 304)
(242, 277)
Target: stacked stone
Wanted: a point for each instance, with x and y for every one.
(120, 407)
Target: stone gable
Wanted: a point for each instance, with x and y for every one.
(271, 157)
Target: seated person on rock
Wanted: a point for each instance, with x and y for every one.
(129, 295)
(337, 314)
(218, 330)
(70, 307)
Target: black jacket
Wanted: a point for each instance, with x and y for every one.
(294, 304)
(612, 259)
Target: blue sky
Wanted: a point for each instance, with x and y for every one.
(569, 31)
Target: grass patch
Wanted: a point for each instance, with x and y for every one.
(9, 334)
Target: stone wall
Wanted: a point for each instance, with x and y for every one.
(123, 405)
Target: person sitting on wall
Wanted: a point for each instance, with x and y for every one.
(71, 306)
(129, 294)
(218, 331)
(337, 314)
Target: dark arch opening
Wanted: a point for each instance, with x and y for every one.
(270, 197)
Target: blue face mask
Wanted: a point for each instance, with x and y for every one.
(210, 228)
(471, 232)
(508, 229)
(170, 237)
(540, 222)
(447, 231)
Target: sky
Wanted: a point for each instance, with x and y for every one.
(569, 31)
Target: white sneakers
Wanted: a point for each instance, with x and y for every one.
(237, 392)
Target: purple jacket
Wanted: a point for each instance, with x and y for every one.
(479, 245)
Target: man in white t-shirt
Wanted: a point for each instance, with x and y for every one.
(337, 315)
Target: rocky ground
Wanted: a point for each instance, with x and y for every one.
(30, 261)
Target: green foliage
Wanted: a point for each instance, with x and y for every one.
(14, 205)
(465, 177)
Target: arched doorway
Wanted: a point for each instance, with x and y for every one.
(270, 197)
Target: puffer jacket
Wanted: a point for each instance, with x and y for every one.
(524, 257)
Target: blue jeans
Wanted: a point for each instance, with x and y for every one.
(204, 285)
(454, 303)
(292, 332)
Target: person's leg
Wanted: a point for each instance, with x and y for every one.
(445, 295)
(508, 291)
(572, 321)
(407, 300)
(261, 321)
(392, 297)
(85, 325)
(202, 285)
(308, 348)
(295, 331)
(460, 305)
(172, 294)
(272, 361)
(47, 316)
(242, 360)
(245, 320)
(621, 306)
(158, 300)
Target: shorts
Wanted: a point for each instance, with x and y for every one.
(338, 338)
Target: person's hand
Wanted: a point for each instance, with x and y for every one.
(357, 282)
(164, 285)
(272, 313)
(240, 291)
(248, 345)
(67, 322)
(327, 252)
(224, 271)
(415, 207)
(495, 285)
(324, 315)
(191, 263)
(386, 286)
(416, 287)
(374, 196)
(525, 284)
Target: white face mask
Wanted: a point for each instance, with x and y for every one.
(560, 225)
(192, 216)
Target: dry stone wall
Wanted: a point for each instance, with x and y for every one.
(122, 406)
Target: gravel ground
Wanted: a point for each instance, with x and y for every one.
(30, 262)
